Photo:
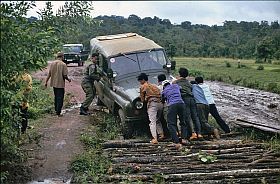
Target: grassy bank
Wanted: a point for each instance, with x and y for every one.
(92, 166)
(247, 73)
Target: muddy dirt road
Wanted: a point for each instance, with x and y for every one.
(59, 141)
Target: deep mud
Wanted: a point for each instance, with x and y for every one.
(59, 142)
(240, 105)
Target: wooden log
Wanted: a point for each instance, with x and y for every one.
(232, 180)
(260, 126)
(232, 174)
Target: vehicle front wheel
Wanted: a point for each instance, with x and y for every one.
(126, 127)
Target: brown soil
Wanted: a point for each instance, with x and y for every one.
(59, 136)
(59, 142)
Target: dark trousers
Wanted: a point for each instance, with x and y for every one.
(191, 114)
(173, 111)
(58, 99)
(24, 119)
(214, 112)
(203, 113)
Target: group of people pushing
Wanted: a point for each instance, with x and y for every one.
(191, 102)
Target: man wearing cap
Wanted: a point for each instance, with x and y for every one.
(150, 93)
(90, 75)
(58, 73)
(176, 107)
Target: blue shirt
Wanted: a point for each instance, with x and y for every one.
(208, 95)
(198, 94)
(172, 94)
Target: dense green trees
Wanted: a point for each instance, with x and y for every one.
(26, 43)
(232, 40)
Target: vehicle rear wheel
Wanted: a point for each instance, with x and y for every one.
(126, 127)
(80, 63)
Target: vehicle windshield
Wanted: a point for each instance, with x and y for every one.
(138, 62)
(67, 49)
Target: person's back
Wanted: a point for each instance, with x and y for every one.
(186, 87)
(198, 94)
(187, 96)
(212, 106)
(208, 95)
(58, 69)
(150, 93)
(203, 110)
(172, 94)
(58, 73)
(176, 107)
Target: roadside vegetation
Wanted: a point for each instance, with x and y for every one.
(25, 45)
(92, 166)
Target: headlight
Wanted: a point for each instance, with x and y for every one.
(76, 56)
(138, 105)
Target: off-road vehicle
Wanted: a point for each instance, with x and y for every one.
(75, 53)
(121, 59)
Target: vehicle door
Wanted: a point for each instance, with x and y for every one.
(104, 85)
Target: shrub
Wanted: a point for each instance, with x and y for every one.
(260, 67)
(273, 87)
(228, 64)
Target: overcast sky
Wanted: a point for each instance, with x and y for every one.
(197, 12)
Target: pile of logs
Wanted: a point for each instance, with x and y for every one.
(236, 162)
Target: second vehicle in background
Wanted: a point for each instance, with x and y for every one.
(75, 53)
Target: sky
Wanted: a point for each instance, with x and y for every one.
(197, 12)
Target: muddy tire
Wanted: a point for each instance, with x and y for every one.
(126, 127)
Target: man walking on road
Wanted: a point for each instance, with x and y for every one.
(90, 75)
(58, 73)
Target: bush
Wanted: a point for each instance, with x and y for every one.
(260, 67)
(228, 64)
(273, 87)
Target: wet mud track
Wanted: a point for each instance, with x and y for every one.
(236, 161)
(247, 107)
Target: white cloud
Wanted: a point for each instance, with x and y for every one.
(197, 12)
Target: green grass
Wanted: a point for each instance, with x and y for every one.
(93, 166)
(230, 71)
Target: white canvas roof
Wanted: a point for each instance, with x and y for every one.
(112, 45)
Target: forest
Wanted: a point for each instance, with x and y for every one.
(241, 40)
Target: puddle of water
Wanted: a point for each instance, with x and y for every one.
(51, 181)
(60, 144)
